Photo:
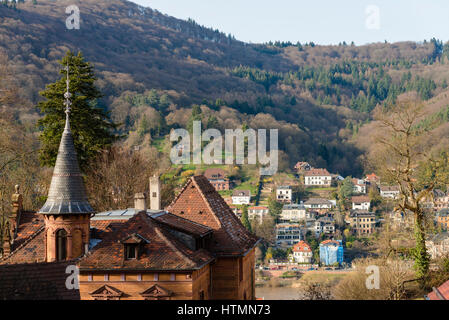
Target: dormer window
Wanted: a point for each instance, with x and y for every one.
(133, 246)
(130, 251)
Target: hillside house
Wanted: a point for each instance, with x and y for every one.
(389, 192)
(240, 197)
(288, 234)
(317, 178)
(301, 167)
(258, 213)
(331, 252)
(217, 178)
(302, 253)
(284, 194)
(318, 204)
(362, 222)
(359, 186)
(361, 203)
(293, 213)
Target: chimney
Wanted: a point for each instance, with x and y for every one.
(140, 202)
(6, 241)
(155, 193)
(17, 207)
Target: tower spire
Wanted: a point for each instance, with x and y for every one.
(67, 193)
(68, 102)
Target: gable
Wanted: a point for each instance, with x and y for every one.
(156, 291)
(191, 205)
(106, 292)
(198, 201)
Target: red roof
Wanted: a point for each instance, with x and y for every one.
(302, 246)
(31, 250)
(440, 293)
(360, 199)
(372, 177)
(198, 201)
(29, 223)
(317, 172)
(175, 222)
(42, 281)
(161, 251)
(326, 242)
(215, 174)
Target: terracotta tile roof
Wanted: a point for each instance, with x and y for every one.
(372, 177)
(440, 293)
(317, 172)
(29, 223)
(173, 221)
(360, 199)
(302, 246)
(215, 174)
(330, 242)
(199, 201)
(31, 250)
(100, 227)
(40, 281)
(163, 252)
(241, 193)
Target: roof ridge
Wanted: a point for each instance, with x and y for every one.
(202, 194)
(231, 214)
(28, 240)
(182, 218)
(176, 250)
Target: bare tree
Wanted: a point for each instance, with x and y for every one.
(403, 158)
(114, 177)
(393, 276)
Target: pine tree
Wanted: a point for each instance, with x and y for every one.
(90, 124)
(244, 218)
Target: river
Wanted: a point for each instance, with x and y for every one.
(277, 293)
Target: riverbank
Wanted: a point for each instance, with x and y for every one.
(278, 288)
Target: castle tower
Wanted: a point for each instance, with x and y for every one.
(67, 211)
(155, 193)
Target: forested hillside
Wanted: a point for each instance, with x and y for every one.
(152, 69)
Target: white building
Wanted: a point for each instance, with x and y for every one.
(284, 194)
(302, 253)
(391, 192)
(361, 203)
(359, 186)
(317, 177)
(288, 234)
(318, 204)
(293, 213)
(258, 213)
(241, 197)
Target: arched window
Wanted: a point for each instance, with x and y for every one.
(61, 245)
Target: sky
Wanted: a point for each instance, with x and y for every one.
(319, 21)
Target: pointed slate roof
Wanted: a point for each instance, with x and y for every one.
(67, 194)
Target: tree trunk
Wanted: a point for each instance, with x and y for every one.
(422, 259)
